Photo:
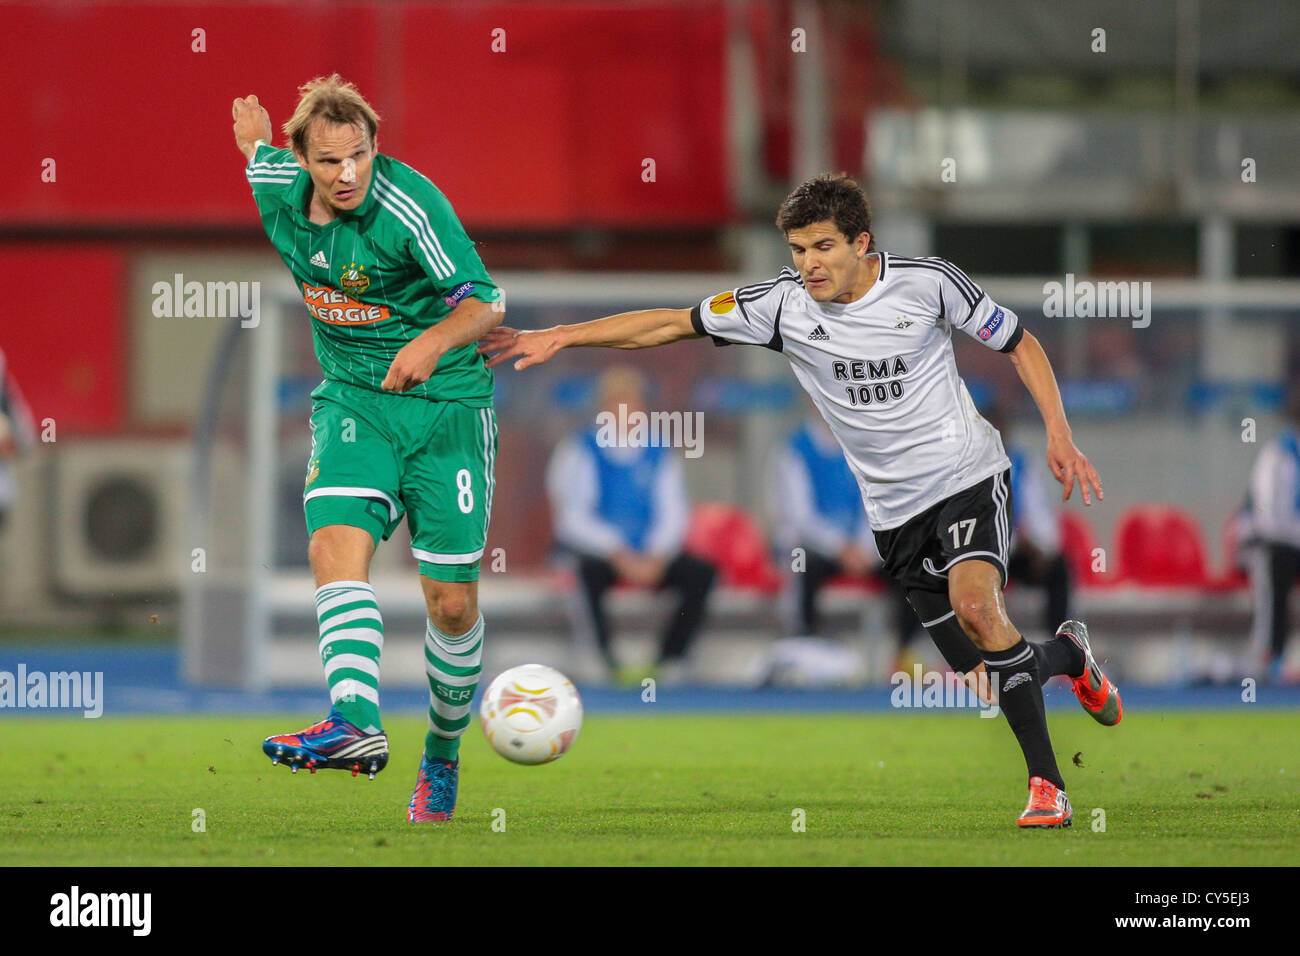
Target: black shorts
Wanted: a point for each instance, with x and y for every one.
(973, 523)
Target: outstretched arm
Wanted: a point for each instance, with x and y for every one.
(628, 330)
(1065, 460)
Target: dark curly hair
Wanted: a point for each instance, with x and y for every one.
(833, 197)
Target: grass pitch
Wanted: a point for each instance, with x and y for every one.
(1213, 788)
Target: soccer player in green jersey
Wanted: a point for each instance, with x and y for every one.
(402, 424)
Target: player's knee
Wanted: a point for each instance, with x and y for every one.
(978, 614)
(318, 549)
(451, 609)
(596, 573)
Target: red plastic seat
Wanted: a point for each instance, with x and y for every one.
(1078, 542)
(1161, 546)
(732, 540)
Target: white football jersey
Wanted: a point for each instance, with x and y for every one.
(882, 373)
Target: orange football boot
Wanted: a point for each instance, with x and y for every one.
(1048, 806)
(1096, 693)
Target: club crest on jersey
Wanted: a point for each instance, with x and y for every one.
(991, 324)
(722, 303)
(354, 279)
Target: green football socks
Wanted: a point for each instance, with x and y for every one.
(452, 663)
(351, 640)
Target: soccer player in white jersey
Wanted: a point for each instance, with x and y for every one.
(868, 336)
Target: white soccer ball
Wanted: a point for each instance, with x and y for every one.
(531, 714)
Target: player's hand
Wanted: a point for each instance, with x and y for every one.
(1067, 464)
(854, 561)
(643, 570)
(533, 348)
(652, 570)
(412, 365)
(252, 122)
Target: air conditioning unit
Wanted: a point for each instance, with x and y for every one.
(119, 517)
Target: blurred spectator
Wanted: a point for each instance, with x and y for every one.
(17, 434)
(621, 511)
(814, 503)
(1272, 537)
(1036, 558)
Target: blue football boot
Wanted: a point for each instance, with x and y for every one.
(332, 744)
(435, 791)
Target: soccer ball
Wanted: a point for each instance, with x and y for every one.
(531, 714)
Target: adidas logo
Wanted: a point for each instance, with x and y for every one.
(1015, 680)
(903, 323)
(319, 260)
(818, 335)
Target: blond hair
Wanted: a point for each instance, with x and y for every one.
(333, 100)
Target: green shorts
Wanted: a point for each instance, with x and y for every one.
(377, 455)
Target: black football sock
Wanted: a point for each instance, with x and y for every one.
(1020, 696)
(1057, 655)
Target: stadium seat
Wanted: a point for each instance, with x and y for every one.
(733, 541)
(1160, 546)
(1077, 544)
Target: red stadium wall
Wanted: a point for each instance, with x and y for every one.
(67, 345)
(550, 133)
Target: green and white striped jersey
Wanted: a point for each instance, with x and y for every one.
(374, 278)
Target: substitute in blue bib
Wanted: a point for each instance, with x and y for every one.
(620, 509)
